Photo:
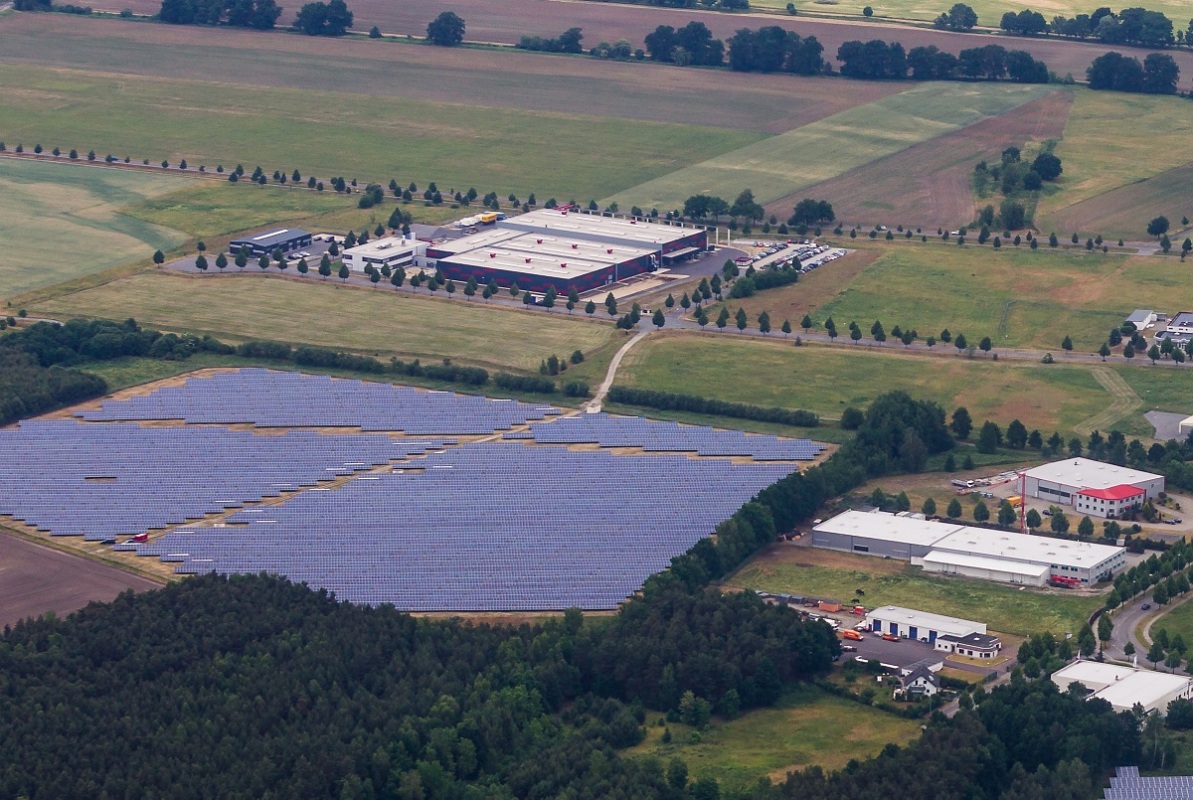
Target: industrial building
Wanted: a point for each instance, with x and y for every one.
(389, 252)
(1091, 487)
(919, 625)
(1141, 318)
(1126, 687)
(952, 549)
(566, 250)
(264, 244)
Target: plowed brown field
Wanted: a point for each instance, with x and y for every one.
(36, 579)
(509, 20)
(928, 185)
(532, 81)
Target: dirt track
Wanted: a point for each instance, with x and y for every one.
(929, 184)
(36, 579)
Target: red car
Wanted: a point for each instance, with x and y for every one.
(890, 637)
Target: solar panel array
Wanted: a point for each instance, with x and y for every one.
(99, 481)
(1127, 784)
(489, 526)
(653, 435)
(295, 400)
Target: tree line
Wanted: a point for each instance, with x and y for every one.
(1131, 26)
(671, 401)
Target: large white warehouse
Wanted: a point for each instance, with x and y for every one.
(1092, 487)
(1124, 687)
(948, 548)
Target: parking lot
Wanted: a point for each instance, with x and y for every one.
(777, 254)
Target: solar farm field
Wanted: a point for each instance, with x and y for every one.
(829, 379)
(71, 222)
(315, 483)
(824, 149)
(318, 312)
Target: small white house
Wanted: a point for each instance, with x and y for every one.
(389, 252)
(919, 683)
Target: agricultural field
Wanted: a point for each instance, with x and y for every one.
(1016, 296)
(235, 308)
(507, 22)
(815, 152)
(829, 379)
(804, 570)
(37, 579)
(458, 77)
(808, 727)
(929, 184)
(1114, 140)
(72, 221)
(989, 11)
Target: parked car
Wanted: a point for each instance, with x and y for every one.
(848, 648)
(1146, 606)
(890, 637)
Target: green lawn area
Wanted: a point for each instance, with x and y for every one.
(808, 727)
(1179, 620)
(325, 133)
(66, 221)
(834, 145)
(1161, 389)
(828, 379)
(1003, 608)
(1016, 296)
(1113, 139)
(384, 324)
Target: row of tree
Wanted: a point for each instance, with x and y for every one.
(878, 60)
(1133, 26)
(670, 401)
(1158, 74)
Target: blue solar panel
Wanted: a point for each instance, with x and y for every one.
(652, 435)
(100, 481)
(491, 526)
(304, 401)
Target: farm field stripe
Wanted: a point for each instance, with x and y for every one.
(824, 149)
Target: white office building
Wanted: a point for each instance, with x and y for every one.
(1101, 489)
(389, 252)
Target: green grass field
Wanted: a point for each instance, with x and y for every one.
(327, 133)
(323, 313)
(829, 147)
(1004, 608)
(1016, 296)
(64, 222)
(828, 379)
(808, 727)
(1111, 140)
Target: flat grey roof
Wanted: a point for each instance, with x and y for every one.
(274, 237)
(887, 528)
(648, 234)
(1140, 315)
(1088, 474)
(545, 255)
(1021, 547)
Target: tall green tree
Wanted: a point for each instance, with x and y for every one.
(446, 30)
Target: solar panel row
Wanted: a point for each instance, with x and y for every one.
(1127, 784)
(296, 400)
(490, 526)
(100, 481)
(653, 435)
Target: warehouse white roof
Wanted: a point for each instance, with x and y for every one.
(647, 234)
(887, 528)
(389, 246)
(1091, 674)
(982, 562)
(1148, 689)
(1088, 474)
(926, 619)
(1023, 547)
